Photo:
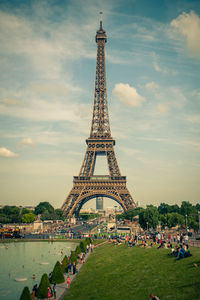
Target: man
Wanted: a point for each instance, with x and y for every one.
(153, 297)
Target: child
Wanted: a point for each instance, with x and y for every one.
(54, 291)
(68, 282)
(49, 292)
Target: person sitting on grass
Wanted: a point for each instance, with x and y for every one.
(153, 297)
(196, 265)
(169, 245)
(144, 244)
(181, 253)
(162, 245)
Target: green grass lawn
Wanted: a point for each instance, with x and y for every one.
(118, 272)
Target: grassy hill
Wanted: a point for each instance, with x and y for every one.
(118, 272)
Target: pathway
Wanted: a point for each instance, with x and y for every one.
(61, 289)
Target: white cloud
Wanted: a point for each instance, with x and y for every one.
(127, 94)
(193, 118)
(163, 107)
(43, 110)
(152, 86)
(46, 49)
(28, 142)
(187, 25)
(10, 101)
(4, 152)
(159, 69)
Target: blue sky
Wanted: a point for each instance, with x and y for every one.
(47, 59)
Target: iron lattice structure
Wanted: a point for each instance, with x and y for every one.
(87, 186)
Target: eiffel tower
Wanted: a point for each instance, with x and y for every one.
(87, 186)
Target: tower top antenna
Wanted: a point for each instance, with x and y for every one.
(101, 18)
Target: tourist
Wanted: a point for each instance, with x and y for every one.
(54, 291)
(158, 238)
(49, 293)
(178, 238)
(181, 238)
(169, 237)
(74, 269)
(196, 265)
(34, 292)
(69, 268)
(68, 282)
(181, 253)
(186, 238)
(153, 297)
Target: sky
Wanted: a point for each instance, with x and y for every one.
(48, 61)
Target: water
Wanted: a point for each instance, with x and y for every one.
(23, 259)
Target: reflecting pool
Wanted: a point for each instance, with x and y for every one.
(20, 260)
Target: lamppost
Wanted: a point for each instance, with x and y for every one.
(115, 215)
(186, 222)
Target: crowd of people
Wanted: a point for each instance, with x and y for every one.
(158, 240)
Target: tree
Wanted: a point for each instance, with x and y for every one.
(148, 218)
(187, 208)
(42, 207)
(28, 218)
(197, 207)
(174, 219)
(193, 223)
(57, 274)
(42, 291)
(130, 214)
(163, 221)
(59, 214)
(73, 257)
(78, 250)
(12, 213)
(174, 208)
(26, 294)
(163, 208)
(65, 263)
(83, 246)
(25, 211)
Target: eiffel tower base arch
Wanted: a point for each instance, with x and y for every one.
(96, 186)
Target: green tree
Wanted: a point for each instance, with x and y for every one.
(25, 211)
(65, 264)
(148, 218)
(174, 208)
(42, 207)
(163, 208)
(26, 294)
(78, 250)
(12, 213)
(28, 218)
(197, 207)
(4, 219)
(163, 220)
(73, 257)
(59, 214)
(83, 246)
(187, 208)
(193, 223)
(130, 214)
(57, 274)
(174, 219)
(42, 291)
